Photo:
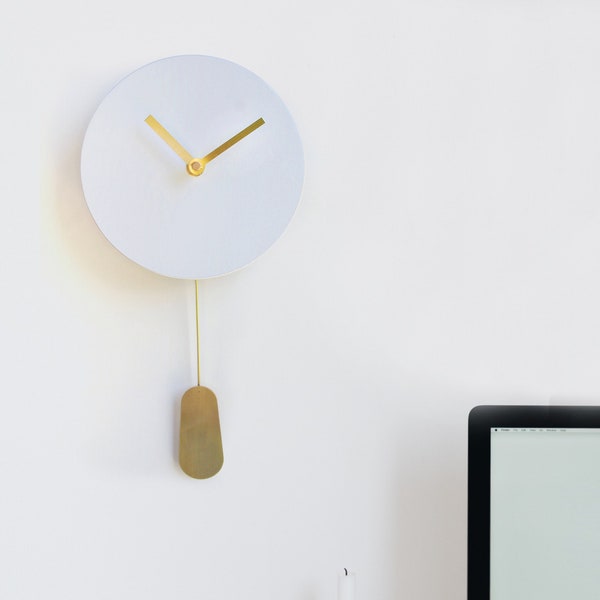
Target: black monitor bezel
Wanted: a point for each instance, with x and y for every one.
(481, 420)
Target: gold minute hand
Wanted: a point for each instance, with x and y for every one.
(167, 137)
(234, 140)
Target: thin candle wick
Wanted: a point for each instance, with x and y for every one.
(346, 571)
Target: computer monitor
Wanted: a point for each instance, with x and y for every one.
(534, 503)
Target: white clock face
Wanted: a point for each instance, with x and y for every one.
(140, 192)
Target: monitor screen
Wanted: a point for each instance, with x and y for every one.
(534, 503)
(544, 513)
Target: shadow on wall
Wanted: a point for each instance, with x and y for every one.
(428, 539)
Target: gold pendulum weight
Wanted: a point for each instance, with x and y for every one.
(200, 444)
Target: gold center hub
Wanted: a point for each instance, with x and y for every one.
(195, 167)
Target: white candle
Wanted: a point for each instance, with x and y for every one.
(346, 586)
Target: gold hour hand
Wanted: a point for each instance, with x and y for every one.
(234, 140)
(169, 139)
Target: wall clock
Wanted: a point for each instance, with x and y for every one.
(192, 167)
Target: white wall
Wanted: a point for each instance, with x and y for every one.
(446, 253)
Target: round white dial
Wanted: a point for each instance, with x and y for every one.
(192, 166)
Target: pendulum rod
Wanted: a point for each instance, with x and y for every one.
(197, 332)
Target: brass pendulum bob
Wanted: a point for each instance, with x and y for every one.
(200, 444)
